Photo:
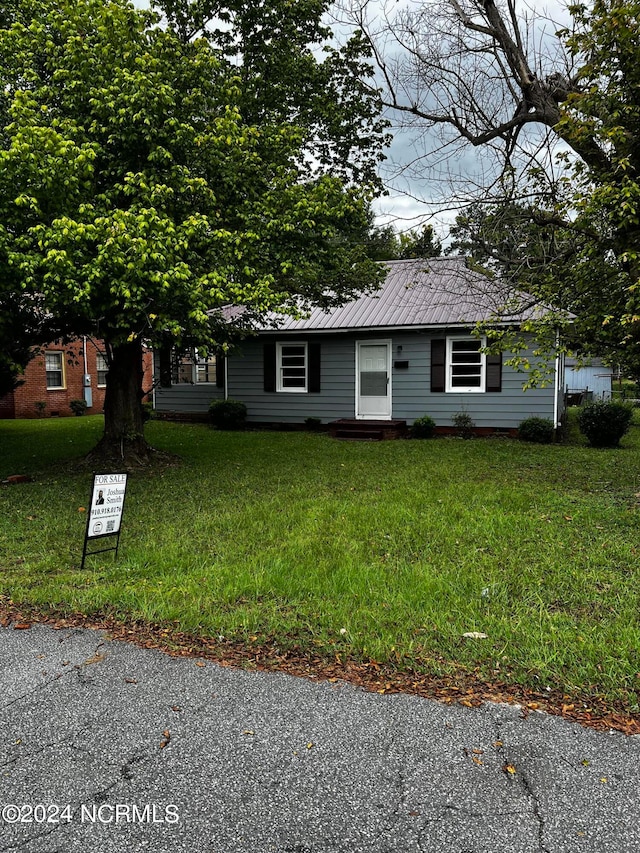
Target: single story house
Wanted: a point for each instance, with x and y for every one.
(404, 351)
(59, 373)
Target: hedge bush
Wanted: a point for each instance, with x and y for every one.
(313, 424)
(228, 414)
(537, 430)
(604, 423)
(464, 424)
(148, 412)
(78, 407)
(423, 427)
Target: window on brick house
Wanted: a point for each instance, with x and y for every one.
(54, 370)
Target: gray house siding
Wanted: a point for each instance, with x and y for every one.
(336, 398)
(185, 397)
(410, 385)
(506, 409)
(190, 399)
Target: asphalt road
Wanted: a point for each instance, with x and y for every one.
(108, 748)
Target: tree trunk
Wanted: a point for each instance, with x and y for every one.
(123, 438)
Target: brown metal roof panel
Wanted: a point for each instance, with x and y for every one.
(418, 292)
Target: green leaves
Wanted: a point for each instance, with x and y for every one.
(147, 178)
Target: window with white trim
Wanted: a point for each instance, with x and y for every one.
(466, 365)
(292, 367)
(54, 370)
(102, 368)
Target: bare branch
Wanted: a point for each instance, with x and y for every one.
(474, 73)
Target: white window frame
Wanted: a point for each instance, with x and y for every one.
(470, 389)
(99, 370)
(60, 355)
(280, 386)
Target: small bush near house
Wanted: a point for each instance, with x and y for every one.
(313, 424)
(538, 430)
(78, 407)
(463, 422)
(423, 427)
(147, 412)
(604, 423)
(228, 414)
(40, 407)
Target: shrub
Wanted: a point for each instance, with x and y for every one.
(313, 424)
(423, 427)
(604, 423)
(78, 407)
(228, 414)
(463, 422)
(538, 430)
(147, 412)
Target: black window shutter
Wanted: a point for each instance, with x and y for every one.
(269, 367)
(494, 372)
(220, 358)
(314, 368)
(438, 364)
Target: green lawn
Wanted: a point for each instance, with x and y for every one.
(388, 551)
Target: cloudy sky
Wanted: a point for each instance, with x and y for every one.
(429, 190)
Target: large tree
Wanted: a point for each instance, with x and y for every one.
(151, 174)
(552, 114)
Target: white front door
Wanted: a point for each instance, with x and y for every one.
(373, 380)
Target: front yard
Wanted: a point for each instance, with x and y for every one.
(362, 555)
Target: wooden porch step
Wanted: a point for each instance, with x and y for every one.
(357, 430)
(359, 434)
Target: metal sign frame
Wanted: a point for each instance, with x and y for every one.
(113, 512)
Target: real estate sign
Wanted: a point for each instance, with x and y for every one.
(105, 510)
(107, 504)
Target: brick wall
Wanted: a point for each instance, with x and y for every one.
(33, 399)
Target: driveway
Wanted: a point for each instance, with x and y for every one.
(109, 748)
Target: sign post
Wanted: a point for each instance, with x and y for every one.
(106, 506)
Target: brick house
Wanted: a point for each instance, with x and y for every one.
(60, 373)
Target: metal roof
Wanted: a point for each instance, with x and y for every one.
(418, 293)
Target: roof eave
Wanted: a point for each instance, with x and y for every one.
(406, 328)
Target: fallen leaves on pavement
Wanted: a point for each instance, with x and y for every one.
(464, 687)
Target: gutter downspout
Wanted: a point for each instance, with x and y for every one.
(86, 379)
